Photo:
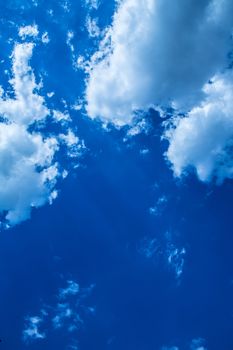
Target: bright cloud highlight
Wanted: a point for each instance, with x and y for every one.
(29, 171)
(161, 54)
(203, 140)
(158, 53)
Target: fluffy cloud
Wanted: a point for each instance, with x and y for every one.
(27, 106)
(28, 173)
(203, 139)
(158, 53)
(171, 55)
(22, 185)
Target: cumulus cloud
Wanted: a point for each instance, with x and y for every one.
(27, 106)
(22, 185)
(158, 53)
(203, 139)
(28, 170)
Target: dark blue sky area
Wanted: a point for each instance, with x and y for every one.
(92, 234)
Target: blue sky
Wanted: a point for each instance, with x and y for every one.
(116, 132)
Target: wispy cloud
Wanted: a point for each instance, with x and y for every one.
(163, 249)
(196, 344)
(68, 312)
(71, 289)
(92, 4)
(159, 207)
(32, 329)
(175, 258)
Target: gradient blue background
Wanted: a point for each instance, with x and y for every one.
(93, 231)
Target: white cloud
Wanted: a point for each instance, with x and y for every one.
(30, 30)
(22, 185)
(203, 139)
(63, 313)
(74, 58)
(92, 27)
(69, 38)
(138, 127)
(93, 4)
(159, 206)
(144, 151)
(198, 344)
(78, 105)
(68, 312)
(71, 289)
(149, 247)
(66, 5)
(61, 117)
(158, 53)
(175, 258)
(73, 347)
(165, 55)
(45, 38)
(27, 106)
(164, 249)
(28, 173)
(74, 146)
(32, 330)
